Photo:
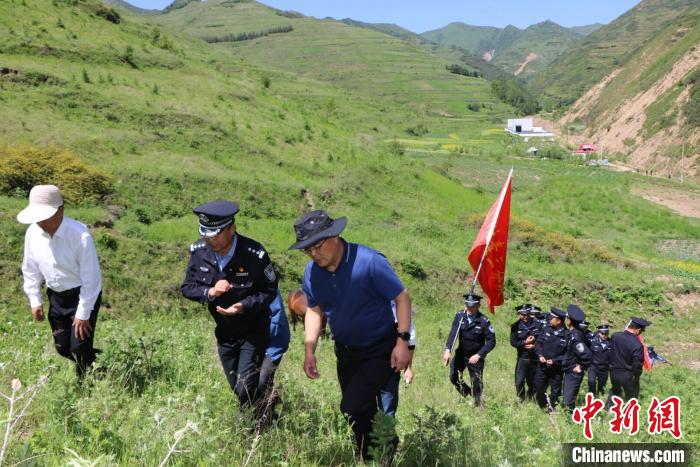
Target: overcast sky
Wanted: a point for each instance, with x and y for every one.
(423, 15)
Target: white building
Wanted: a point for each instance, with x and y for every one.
(524, 127)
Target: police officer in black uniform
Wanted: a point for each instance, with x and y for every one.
(627, 360)
(234, 277)
(584, 326)
(522, 336)
(476, 340)
(578, 356)
(600, 366)
(550, 347)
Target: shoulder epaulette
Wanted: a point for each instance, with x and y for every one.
(198, 245)
(259, 253)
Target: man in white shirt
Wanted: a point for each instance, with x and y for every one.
(60, 251)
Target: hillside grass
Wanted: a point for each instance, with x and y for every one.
(214, 130)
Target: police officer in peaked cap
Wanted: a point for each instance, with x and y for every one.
(578, 356)
(627, 360)
(523, 333)
(550, 347)
(233, 276)
(600, 366)
(476, 339)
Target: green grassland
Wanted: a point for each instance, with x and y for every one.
(176, 121)
(606, 49)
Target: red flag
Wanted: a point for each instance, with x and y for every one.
(647, 361)
(488, 253)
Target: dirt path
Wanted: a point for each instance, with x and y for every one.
(685, 203)
(530, 57)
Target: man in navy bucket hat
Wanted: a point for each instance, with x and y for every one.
(353, 286)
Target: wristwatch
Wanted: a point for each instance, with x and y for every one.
(405, 336)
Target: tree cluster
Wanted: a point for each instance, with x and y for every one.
(515, 94)
(246, 36)
(464, 71)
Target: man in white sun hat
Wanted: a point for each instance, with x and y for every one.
(60, 251)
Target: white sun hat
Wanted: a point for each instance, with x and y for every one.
(44, 201)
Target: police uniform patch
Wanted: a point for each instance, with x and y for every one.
(490, 328)
(270, 272)
(579, 347)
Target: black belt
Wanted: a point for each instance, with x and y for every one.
(66, 293)
(349, 348)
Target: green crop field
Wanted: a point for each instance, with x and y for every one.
(174, 121)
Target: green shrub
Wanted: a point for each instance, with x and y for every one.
(691, 109)
(418, 130)
(110, 14)
(413, 268)
(23, 167)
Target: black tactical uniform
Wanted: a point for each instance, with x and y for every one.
(551, 344)
(526, 362)
(577, 355)
(476, 336)
(626, 362)
(600, 366)
(242, 338)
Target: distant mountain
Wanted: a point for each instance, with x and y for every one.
(596, 55)
(387, 28)
(453, 53)
(586, 30)
(518, 51)
(132, 8)
(463, 35)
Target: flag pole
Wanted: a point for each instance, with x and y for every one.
(476, 275)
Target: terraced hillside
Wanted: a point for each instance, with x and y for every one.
(353, 58)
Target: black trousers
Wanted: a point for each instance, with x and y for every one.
(62, 308)
(548, 376)
(525, 370)
(241, 359)
(362, 372)
(572, 384)
(623, 381)
(597, 378)
(476, 375)
(266, 385)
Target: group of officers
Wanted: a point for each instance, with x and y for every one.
(350, 286)
(554, 349)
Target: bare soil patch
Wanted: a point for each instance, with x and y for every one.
(685, 203)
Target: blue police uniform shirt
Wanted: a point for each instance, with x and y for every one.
(222, 261)
(356, 298)
(279, 330)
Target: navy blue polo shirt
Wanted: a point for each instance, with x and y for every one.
(356, 298)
